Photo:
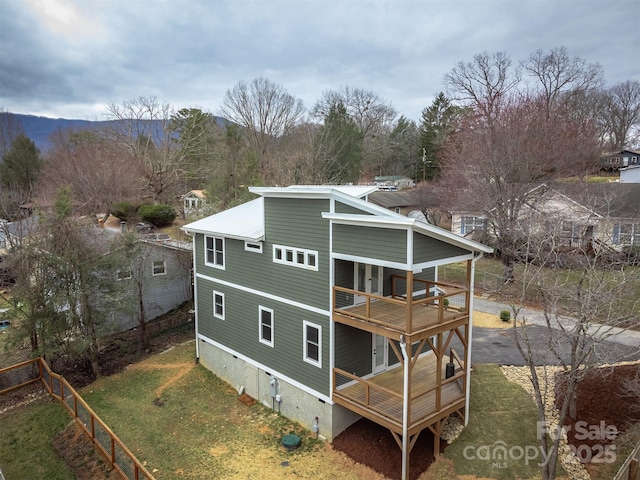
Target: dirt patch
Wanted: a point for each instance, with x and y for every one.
(247, 400)
(372, 445)
(182, 370)
(489, 320)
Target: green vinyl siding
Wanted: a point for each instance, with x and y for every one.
(382, 243)
(295, 224)
(352, 350)
(344, 208)
(427, 249)
(239, 331)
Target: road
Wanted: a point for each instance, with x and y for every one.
(491, 345)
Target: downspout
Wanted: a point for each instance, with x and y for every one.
(469, 342)
(405, 408)
(195, 295)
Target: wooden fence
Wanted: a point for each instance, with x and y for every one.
(630, 469)
(115, 452)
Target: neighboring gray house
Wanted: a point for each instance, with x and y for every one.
(327, 308)
(163, 270)
(614, 161)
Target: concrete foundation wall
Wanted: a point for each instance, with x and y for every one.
(295, 403)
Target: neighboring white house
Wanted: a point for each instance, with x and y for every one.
(193, 201)
(606, 214)
(630, 174)
(393, 183)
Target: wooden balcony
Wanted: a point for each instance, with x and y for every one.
(380, 398)
(423, 313)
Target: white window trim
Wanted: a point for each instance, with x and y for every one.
(260, 339)
(206, 251)
(164, 268)
(255, 247)
(295, 252)
(217, 315)
(307, 359)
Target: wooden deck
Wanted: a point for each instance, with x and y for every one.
(392, 314)
(380, 397)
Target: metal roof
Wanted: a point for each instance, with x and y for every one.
(244, 222)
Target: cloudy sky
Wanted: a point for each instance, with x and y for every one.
(69, 58)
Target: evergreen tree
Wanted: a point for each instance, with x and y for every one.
(438, 121)
(339, 151)
(21, 165)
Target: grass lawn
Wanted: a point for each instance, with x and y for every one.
(184, 423)
(501, 413)
(26, 442)
(489, 277)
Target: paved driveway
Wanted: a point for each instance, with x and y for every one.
(492, 345)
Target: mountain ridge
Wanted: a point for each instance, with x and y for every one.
(39, 128)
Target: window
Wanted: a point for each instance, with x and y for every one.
(469, 224)
(159, 267)
(312, 343)
(218, 305)
(298, 257)
(626, 234)
(253, 247)
(266, 325)
(214, 252)
(124, 274)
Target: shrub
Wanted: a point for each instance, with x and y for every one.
(158, 215)
(125, 211)
(505, 315)
(446, 302)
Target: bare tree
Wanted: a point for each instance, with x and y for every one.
(60, 276)
(430, 198)
(267, 112)
(585, 304)
(561, 76)
(370, 112)
(484, 83)
(96, 169)
(142, 128)
(496, 166)
(621, 114)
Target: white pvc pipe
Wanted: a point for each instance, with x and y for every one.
(405, 409)
(468, 362)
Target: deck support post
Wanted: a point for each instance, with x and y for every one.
(409, 302)
(405, 406)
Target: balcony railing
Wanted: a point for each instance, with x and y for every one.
(430, 305)
(380, 397)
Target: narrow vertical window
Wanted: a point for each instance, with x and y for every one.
(218, 305)
(266, 326)
(312, 339)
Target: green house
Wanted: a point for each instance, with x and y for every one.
(327, 308)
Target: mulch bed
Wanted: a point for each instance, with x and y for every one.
(373, 445)
(602, 397)
(604, 401)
